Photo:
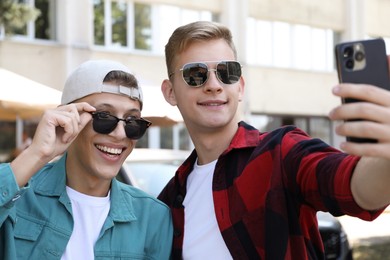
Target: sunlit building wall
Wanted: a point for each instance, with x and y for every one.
(286, 48)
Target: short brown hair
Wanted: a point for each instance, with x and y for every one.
(183, 36)
(121, 78)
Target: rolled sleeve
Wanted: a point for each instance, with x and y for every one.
(9, 189)
(344, 195)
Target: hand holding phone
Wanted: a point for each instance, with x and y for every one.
(362, 62)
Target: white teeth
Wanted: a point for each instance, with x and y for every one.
(109, 150)
(212, 104)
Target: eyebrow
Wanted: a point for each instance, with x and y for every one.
(109, 106)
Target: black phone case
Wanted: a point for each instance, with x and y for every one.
(375, 72)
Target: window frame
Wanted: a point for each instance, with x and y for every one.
(30, 26)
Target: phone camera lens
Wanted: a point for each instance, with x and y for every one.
(359, 56)
(348, 52)
(349, 64)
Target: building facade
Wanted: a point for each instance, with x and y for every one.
(285, 46)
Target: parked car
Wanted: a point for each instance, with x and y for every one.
(334, 238)
(151, 169)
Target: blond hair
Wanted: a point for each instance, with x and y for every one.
(185, 35)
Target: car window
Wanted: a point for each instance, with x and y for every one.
(150, 176)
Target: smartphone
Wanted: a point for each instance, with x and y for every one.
(362, 62)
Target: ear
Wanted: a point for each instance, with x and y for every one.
(167, 90)
(241, 89)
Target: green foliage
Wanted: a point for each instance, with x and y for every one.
(119, 23)
(14, 15)
(98, 22)
(142, 26)
(373, 251)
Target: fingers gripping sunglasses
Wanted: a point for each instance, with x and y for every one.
(105, 123)
(195, 74)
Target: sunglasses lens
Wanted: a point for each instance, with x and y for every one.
(104, 123)
(195, 74)
(229, 72)
(136, 128)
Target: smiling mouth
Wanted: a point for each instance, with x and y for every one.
(109, 150)
(213, 104)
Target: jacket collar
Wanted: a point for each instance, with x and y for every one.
(246, 136)
(53, 183)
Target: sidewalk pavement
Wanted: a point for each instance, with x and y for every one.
(365, 232)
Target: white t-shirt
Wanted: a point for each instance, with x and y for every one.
(89, 214)
(202, 237)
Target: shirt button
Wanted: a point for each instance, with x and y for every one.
(176, 233)
(179, 198)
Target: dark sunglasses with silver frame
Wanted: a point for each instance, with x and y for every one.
(195, 74)
(105, 123)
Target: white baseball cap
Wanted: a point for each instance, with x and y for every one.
(88, 78)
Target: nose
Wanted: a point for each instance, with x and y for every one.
(212, 84)
(119, 131)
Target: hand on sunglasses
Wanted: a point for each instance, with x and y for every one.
(195, 74)
(58, 128)
(105, 123)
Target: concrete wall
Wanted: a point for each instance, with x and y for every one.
(290, 92)
(269, 90)
(377, 17)
(323, 14)
(43, 63)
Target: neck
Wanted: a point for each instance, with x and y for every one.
(83, 181)
(96, 189)
(210, 144)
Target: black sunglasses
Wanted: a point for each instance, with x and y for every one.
(104, 123)
(195, 74)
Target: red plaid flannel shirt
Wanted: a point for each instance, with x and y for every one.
(267, 188)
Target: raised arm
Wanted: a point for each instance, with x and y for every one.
(371, 178)
(55, 132)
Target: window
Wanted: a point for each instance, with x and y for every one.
(44, 27)
(119, 21)
(142, 27)
(98, 22)
(317, 127)
(110, 23)
(282, 48)
(139, 26)
(166, 135)
(45, 23)
(7, 138)
(285, 45)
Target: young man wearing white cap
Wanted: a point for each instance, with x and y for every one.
(74, 208)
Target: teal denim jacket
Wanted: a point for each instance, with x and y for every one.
(36, 221)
